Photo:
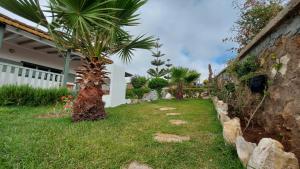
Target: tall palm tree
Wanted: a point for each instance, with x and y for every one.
(94, 28)
(182, 76)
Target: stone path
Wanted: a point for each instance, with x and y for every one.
(166, 108)
(178, 122)
(173, 114)
(168, 138)
(136, 165)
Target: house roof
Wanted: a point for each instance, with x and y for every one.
(30, 29)
(291, 7)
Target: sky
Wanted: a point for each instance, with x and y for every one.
(191, 32)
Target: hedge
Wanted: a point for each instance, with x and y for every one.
(188, 92)
(136, 93)
(24, 95)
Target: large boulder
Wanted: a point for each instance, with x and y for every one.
(151, 96)
(244, 149)
(231, 130)
(269, 154)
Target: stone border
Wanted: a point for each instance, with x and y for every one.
(268, 153)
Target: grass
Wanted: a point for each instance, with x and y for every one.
(125, 136)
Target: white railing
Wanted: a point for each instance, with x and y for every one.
(19, 75)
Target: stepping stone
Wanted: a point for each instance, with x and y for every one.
(178, 122)
(168, 138)
(173, 114)
(166, 108)
(136, 165)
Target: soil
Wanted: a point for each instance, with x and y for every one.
(136, 165)
(178, 122)
(254, 133)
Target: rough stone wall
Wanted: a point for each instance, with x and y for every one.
(281, 110)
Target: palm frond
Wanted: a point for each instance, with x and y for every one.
(28, 9)
(127, 48)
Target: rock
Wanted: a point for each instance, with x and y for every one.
(204, 95)
(136, 165)
(151, 96)
(135, 101)
(223, 117)
(269, 154)
(128, 101)
(244, 149)
(221, 106)
(170, 138)
(168, 96)
(231, 130)
(166, 108)
(173, 114)
(178, 122)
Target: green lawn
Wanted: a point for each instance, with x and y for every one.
(126, 135)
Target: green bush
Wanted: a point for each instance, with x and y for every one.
(247, 66)
(189, 92)
(138, 82)
(158, 83)
(136, 93)
(25, 95)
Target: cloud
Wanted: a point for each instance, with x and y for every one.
(191, 31)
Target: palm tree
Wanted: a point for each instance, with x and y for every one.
(182, 76)
(95, 28)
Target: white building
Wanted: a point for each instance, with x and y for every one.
(28, 56)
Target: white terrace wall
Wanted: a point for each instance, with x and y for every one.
(281, 109)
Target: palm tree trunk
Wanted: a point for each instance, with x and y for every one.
(89, 104)
(179, 93)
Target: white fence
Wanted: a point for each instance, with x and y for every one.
(12, 74)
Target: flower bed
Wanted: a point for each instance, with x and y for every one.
(269, 153)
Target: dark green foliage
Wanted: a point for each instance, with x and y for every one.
(137, 93)
(188, 92)
(243, 68)
(29, 96)
(247, 66)
(157, 83)
(230, 87)
(138, 81)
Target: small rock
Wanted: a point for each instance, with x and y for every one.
(269, 154)
(231, 130)
(178, 122)
(223, 117)
(168, 96)
(173, 114)
(151, 96)
(136, 165)
(244, 149)
(170, 138)
(166, 108)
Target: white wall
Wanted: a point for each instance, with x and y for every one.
(117, 87)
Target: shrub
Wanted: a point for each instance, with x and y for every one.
(26, 95)
(138, 82)
(157, 84)
(189, 92)
(136, 93)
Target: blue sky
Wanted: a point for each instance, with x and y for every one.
(191, 32)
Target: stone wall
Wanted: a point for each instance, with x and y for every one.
(281, 110)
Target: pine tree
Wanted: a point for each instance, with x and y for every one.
(168, 65)
(157, 72)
